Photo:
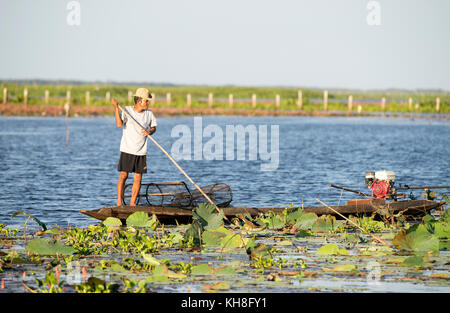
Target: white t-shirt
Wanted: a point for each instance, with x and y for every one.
(133, 141)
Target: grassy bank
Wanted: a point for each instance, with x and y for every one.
(217, 99)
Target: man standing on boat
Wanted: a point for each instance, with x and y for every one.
(133, 146)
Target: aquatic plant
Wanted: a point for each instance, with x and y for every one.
(204, 217)
(96, 285)
(7, 232)
(133, 286)
(133, 259)
(306, 221)
(43, 226)
(112, 222)
(370, 225)
(416, 239)
(272, 220)
(185, 268)
(50, 284)
(332, 249)
(430, 235)
(48, 247)
(140, 219)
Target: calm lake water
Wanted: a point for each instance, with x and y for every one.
(52, 181)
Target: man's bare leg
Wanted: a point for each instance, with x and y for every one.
(120, 187)
(136, 188)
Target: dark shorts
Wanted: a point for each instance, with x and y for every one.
(132, 163)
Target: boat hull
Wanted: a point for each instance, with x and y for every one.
(172, 215)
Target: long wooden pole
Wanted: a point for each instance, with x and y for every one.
(173, 161)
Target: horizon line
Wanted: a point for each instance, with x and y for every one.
(44, 81)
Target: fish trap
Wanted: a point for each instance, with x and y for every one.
(177, 194)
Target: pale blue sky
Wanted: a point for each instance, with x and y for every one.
(314, 43)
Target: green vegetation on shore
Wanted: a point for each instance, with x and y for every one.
(312, 99)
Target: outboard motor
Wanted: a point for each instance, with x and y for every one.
(381, 183)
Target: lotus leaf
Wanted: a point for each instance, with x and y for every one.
(202, 269)
(140, 219)
(49, 247)
(306, 221)
(112, 222)
(416, 238)
(332, 249)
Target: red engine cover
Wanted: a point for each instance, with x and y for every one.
(380, 189)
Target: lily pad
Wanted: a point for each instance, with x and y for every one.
(303, 233)
(150, 259)
(53, 231)
(202, 269)
(162, 270)
(324, 224)
(414, 260)
(342, 268)
(48, 247)
(416, 238)
(257, 250)
(208, 216)
(286, 242)
(194, 232)
(112, 222)
(440, 229)
(140, 219)
(226, 270)
(332, 249)
(293, 215)
(212, 238)
(397, 260)
(272, 221)
(157, 279)
(116, 267)
(216, 286)
(306, 221)
(233, 241)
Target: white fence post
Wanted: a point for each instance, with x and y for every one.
(5, 95)
(46, 96)
(300, 100)
(210, 100)
(230, 100)
(168, 96)
(188, 100)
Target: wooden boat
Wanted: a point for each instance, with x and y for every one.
(171, 215)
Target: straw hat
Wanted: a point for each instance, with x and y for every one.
(143, 93)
